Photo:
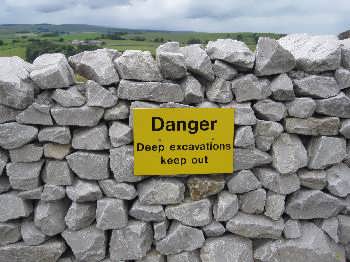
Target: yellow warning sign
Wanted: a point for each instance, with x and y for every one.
(171, 141)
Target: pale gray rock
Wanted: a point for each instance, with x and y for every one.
(174, 105)
(244, 114)
(83, 191)
(117, 190)
(313, 179)
(292, 229)
(26, 153)
(227, 249)
(271, 58)
(194, 92)
(137, 65)
(53, 193)
(160, 229)
(310, 204)
(77, 116)
(99, 96)
(14, 135)
(335, 106)
(249, 158)
(313, 53)
(226, 206)
(282, 88)
(338, 180)
(330, 226)
(191, 213)
(345, 128)
(270, 110)
(150, 91)
(171, 62)
(24, 176)
(111, 213)
(147, 213)
(345, 52)
(280, 183)
(120, 134)
(32, 236)
(207, 104)
(224, 70)
(214, 229)
(161, 191)
(312, 126)
(91, 138)
(131, 242)
(324, 151)
(88, 244)
(197, 61)
(204, 186)
(274, 206)
(21, 252)
(317, 86)
(255, 226)
(34, 194)
(244, 137)
(173, 47)
(96, 65)
(187, 256)
(70, 97)
(4, 184)
(35, 114)
(49, 216)
(92, 166)
(219, 91)
(56, 151)
(249, 87)
(55, 134)
(180, 238)
(231, 51)
(8, 114)
(344, 229)
(117, 112)
(80, 215)
(253, 202)
(265, 134)
(342, 76)
(57, 172)
(288, 154)
(242, 182)
(9, 233)
(301, 107)
(152, 256)
(52, 71)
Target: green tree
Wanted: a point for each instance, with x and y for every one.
(1, 42)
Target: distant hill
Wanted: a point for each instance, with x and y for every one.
(344, 35)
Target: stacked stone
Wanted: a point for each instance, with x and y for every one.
(67, 189)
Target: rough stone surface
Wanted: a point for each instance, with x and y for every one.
(274, 206)
(327, 126)
(117, 112)
(317, 86)
(282, 88)
(80, 215)
(214, 229)
(187, 256)
(160, 229)
(313, 179)
(99, 96)
(35, 114)
(345, 128)
(117, 190)
(94, 138)
(12, 207)
(14, 135)
(249, 87)
(26, 153)
(120, 134)
(57, 134)
(53, 193)
(9, 233)
(250, 158)
(70, 97)
(335, 106)
(338, 180)
(83, 191)
(301, 107)
(226, 206)
(203, 186)
(330, 226)
(32, 236)
(292, 229)
(57, 172)
(193, 90)
(342, 76)
(111, 214)
(244, 114)
(224, 70)
(270, 110)
(253, 202)
(344, 229)
(265, 133)
(244, 137)
(219, 91)
(24, 176)
(147, 212)
(242, 182)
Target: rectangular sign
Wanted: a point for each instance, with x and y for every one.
(170, 141)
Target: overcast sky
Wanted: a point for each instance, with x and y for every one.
(285, 16)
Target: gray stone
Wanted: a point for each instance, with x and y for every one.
(330, 226)
(21, 252)
(16, 90)
(88, 244)
(194, 92)
(117, 190)
(191, 213)
(26, 153)
(227, 249)
(8, 114)
(131, 242)
(198, 62)
(244, 114)
(203, 186)
(317, 86)
(219, 91)
(242, 182)
(117, 112)
(161, 191)
(255, 226)
(249, 158)
(265, 133)
(96, 65)
(345, 52)
(56, 151)
(282, 88)
(150, 91)
(77, 116)
(49, 216)
(35, 114)
(180, 238)
(310, 204)
(249, 87)
(342, 76)
(174, 105)
(274, 181)
(70, 97)
(313, 126)
(32, 236)
(34, 194)
(312, 246)
(313, 53)
(244, 137)
(92, 166)
(344, 229)
(292, 229)
(338, 179)
(84, 191)
(80, 215)
(14, 135)
(270, 110)
(57, 172)
(111, 213)
(187, 256)
(271, 58)
(345, 128)
(335, 106)
(160, 229)
(207, 104)
(226, 206)
(120, 134)
(301, 107)
(53, 193)
(137, 65)
(288, 154)
(4, 184)
(147, 212)
(91, 138)
(224, 70)
(52, 71)
(314, 179)
(214, 229)
(152, 256)
(324, 151)
(171, 62)
(274, 206)
(253, 202)
(99, 96)
(9, 233)
(231, 51)
(55, 134)
(24, 176)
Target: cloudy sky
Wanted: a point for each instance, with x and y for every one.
(285, 16)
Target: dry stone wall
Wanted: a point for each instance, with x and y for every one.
(67, 190)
